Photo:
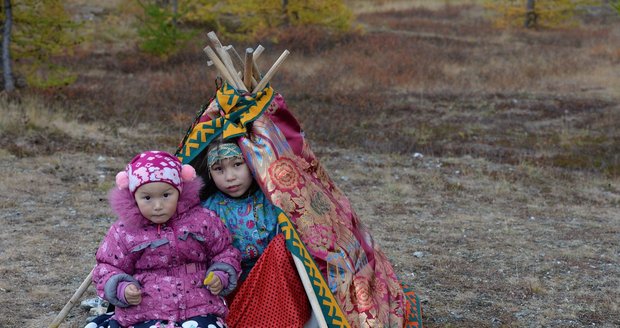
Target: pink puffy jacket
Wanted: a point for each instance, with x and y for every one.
(169, 262)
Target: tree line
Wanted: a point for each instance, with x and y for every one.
(35, 31)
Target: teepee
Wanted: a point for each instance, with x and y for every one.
(348, 279)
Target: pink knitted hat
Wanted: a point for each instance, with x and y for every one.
(154, 166)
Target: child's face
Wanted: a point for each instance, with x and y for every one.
(157, 201)
(232, 176)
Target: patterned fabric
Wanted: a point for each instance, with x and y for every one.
(308, 271)
(272, 295)
(207, 321)
(222, 152)
(251, 221)
(357, 271)
(414, 311)
(154, 166)
(350, 277)
(234, 111)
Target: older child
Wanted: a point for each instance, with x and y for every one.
(152, 263)
(271, 293)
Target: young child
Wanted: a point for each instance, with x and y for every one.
(270, 293)
(153, 261)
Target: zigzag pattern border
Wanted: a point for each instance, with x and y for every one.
(198, 139)
(414, 313)
(330, 307)
(231, 125)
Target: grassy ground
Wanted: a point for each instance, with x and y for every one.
(484, 161)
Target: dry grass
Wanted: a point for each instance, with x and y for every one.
(509, 218)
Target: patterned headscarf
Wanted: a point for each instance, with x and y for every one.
(221, 152)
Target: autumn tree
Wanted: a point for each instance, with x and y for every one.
(40, 30)
(538, 13)
(246, 19)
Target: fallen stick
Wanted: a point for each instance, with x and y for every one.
(263, 82)
(78, 293)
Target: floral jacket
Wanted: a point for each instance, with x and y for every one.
(169, 261)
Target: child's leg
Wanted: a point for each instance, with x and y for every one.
(103, 321)
(205, 321)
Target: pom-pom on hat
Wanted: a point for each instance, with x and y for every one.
(154, 166)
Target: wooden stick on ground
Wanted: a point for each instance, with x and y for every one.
(263, 82)
(78, 293)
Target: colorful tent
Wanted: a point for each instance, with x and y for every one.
(348, 279)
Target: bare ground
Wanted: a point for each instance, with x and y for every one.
(503, 210)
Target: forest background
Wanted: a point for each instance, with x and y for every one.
(483, 155)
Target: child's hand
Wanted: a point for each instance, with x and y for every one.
(133, 295)
(213, 283)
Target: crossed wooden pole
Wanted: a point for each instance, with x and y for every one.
(248, 79)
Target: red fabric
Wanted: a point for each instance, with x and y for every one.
(272, 295)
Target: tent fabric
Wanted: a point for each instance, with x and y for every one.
(227, 122)
(350, 277)
(271, 289)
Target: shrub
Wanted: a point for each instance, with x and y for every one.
(159, 32)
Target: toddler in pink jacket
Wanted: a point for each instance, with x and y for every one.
(153, 262)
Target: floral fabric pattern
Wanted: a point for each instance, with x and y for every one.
(251, 221)
(357, 272)
(360, 278)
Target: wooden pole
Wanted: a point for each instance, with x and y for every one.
(247, 68)
(241, 63)
(221, 67)
(257, 52)
(263, 82)
(76, 296)
(226, 60)
(232, 52)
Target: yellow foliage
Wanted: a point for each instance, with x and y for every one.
(245, 19)
(41, 30)
(333, 14)
(549, 13)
